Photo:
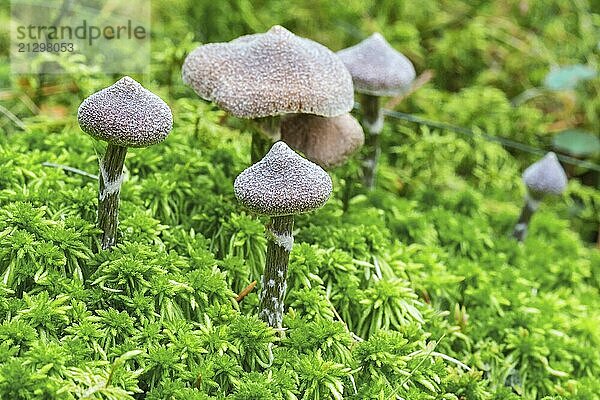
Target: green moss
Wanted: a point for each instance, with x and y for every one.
(416, 291)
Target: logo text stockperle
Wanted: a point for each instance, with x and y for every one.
(84, 31)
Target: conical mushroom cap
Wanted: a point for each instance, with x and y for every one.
(545, 176)
(283, 183)
(376, 68)
(126, 114)
(327, 141)
(270, 74)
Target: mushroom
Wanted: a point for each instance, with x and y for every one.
(377, 70)
(123, 115)
(544, 177)
(265, 75)
(328, 142)
(280, 185)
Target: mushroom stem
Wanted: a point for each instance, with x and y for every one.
(263, 136)
(280, 241)
(373, 124)
(529, 208)
(259, 146)
(346, 194)
(111, 177)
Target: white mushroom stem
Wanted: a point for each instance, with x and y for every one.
(280, 241)
(111, 177)
(373, 124)
(532, 203)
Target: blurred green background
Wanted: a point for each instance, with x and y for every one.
(489, 62)
(483, 54)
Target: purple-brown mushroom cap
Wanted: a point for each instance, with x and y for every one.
(283, 183)
(328, 142)
(126, 114)
(269, 74)
(377, 68)
(546, 176)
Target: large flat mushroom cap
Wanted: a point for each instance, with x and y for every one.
(283, 183)
(377, 68)
(546, 176)
(126, 114)
(328, 142)
(270, 74)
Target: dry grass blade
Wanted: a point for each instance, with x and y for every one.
(13, 118)
(421, 81)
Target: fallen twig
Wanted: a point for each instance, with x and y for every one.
(246, 291)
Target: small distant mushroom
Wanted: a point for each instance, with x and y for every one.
(544, 177)
(266, 75)
(377, 70)
(281, 185)
(123, 115)
(328, 142)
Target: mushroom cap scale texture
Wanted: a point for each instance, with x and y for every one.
(546, 176)
(126, 114)
(268, 74)
(328, 142)
(377, 68)
(283, 183)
